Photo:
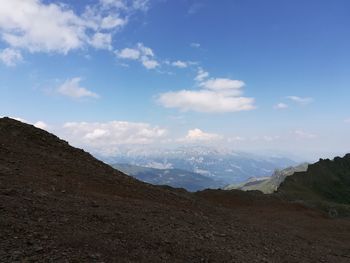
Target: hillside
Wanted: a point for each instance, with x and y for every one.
(173, 177)
(270, 184)
(325, 184)
(59, 204)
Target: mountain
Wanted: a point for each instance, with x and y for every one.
(220, 164)
(59, 204)
(325, 184)
(268, 185)
(173, 177)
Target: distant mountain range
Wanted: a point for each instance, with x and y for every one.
(173, 177)
(268, 185)
(222, 165)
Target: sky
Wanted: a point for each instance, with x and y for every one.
(257, 76)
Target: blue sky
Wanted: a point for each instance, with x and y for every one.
(251, 75)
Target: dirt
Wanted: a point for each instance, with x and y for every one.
(59, 204)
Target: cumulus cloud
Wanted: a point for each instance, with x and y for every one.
(37, 26)
(71, 88)
(197, 135)
(280, 106)
(180, 64)
(215, 95)
(102, 41)
(141, 53)
(10, 57)
(129, 53)
(105, 138)
(301, 100)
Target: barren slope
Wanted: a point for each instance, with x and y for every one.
(59, 204)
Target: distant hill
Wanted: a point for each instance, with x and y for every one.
(220, 164)
(268, 185)
(325, 184)
(173, 177)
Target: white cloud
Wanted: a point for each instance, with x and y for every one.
(201, 75)
(215, 95)
(114, 3)
(129, 53)
(347, 120)
(195, 45)
(105, 138)
(197, 135)
(37, 26)
(41, 125)
(10, 57)
(300, 134)
(180, 64)
(150, 63)
(102, 41)
(71, 88)
(300, 100)
(143, 54)
(205, 101)
(222, 84)
(280, 106)
(110, 22)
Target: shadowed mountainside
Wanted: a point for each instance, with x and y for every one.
(59, 204)
(325, 184)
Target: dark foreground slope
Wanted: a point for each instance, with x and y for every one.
(59, 204)
(325, 184)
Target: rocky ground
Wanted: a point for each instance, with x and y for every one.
(59, 204)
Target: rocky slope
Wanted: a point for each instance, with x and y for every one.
(59, 204)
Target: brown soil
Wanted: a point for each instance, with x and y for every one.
(59, 204)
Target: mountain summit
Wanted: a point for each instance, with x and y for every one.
(59, 204)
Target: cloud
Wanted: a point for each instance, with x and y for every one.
(201, 75)
(197, 135)
(300, 100)
(37, 26)
(195, 45)
(215, 95)
(149, 63)
(129, 53)
(300, 134)
(222, 84)
(180, 64)
(102, 41)
(347, 120)
(280, 106)
(41, 125)
(10, 57)
(106, 137)
(71, 88)
(141, 53)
